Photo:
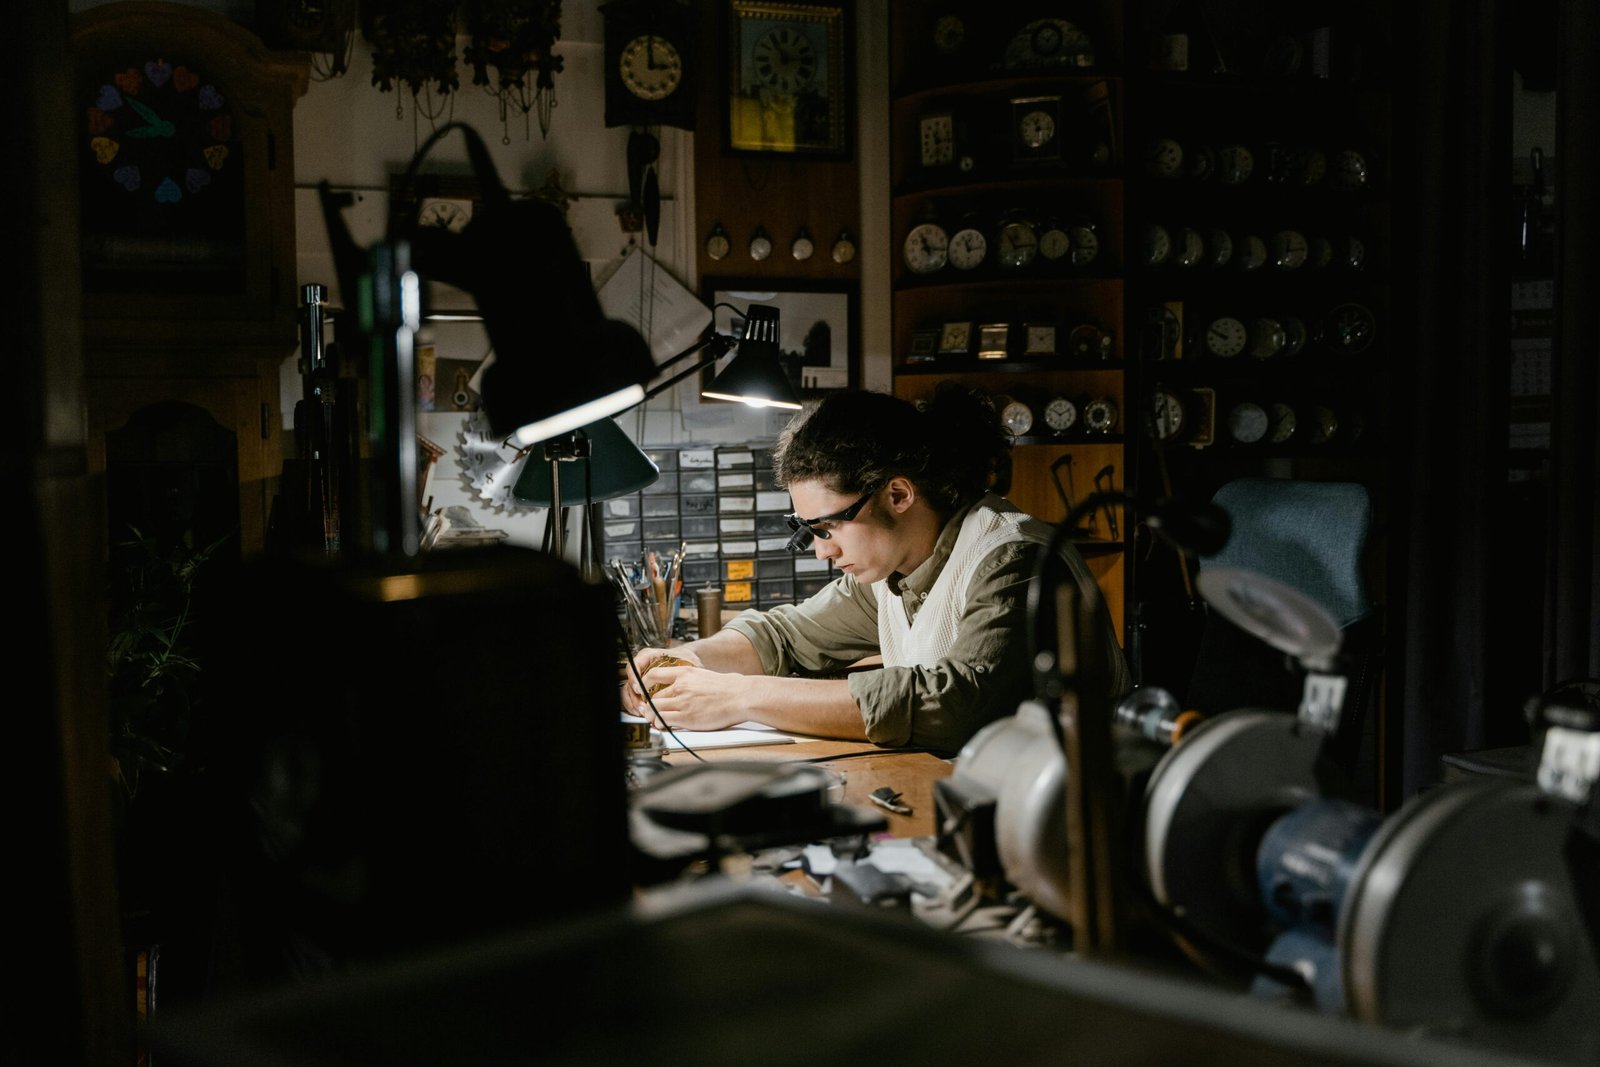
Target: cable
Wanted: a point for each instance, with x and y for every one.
(659, 720)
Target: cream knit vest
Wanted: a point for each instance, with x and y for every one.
(929, 638)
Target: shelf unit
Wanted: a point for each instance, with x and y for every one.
(951, 81)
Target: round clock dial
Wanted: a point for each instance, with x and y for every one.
(1295, 335)
(1060, 414)
(1167, 416)
(1221, 244)
(1253, 254)
(1289, 249)
(844, 248)
(784, 59)
(1017, 418)
(1349, 170)
(1164, 158)
(1037, 128)
(760, 245)
(651, 67)
(967, 248)
(1054, 243)
(1202, 163)
(1235, 163)
(1040, 340)
(802, 246)
(1100, 415)
(1352, 253)
(1157, 245)
(452, 215)
(1350, 329)
(949, 34)
(1226, 337)
(1018, 244)
(1085, 244)
(1266, 338)
(927, 248)
(1248, 422)
(1191, 247)
(717, 243)
(1284, 423)
(160, 133)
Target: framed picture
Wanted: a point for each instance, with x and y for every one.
(817, 327)
(789, 78)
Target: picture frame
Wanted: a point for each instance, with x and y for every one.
(789, 78)
(818, 327)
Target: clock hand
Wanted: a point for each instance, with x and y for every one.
(650, 53)
(156, 125)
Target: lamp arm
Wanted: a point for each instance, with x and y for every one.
(716, 344)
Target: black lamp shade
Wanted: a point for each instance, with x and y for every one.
(755, 376)
(615, 467)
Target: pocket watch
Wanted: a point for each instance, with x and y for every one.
(1157, 246)
(1061, 414)
(1226, 337)
(1163, 158)
(1039, 339)
(844, 247)
(760, 244)
(968, 247)
(1289, 249)
(1017, 418)
(1235, 163)
(1248, 422)
(1085, 242)
(1190, 247)
(1253, 253)
(1100, 415)
(1018, 244)
(717, 243)
(1054, 243)
(926, 248)
(802, 246)
(1266, 338)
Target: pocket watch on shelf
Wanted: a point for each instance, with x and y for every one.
(1288, 249)
(802, 246)
(1349, 170)
(1202, 163)
(926, 248)
(1283, 423)
(1169, 419)
(1295, 335)
(844, 247)
(717, 243)
(760, 244)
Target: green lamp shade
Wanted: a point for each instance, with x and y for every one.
(615, 467)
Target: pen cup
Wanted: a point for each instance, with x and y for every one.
(709, 603)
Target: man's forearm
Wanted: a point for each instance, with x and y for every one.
(727, 651)
(822, 707)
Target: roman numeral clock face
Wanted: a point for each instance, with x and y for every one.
(785, 60)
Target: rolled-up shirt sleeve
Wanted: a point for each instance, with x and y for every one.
(826, 632)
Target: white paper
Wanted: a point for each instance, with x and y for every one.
(645, 295)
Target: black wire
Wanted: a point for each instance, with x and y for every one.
(659, 720)
(858, 755)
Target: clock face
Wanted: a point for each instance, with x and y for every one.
(1248, 422)
(1166, 414)
(1284, 422)
(651, 67)
(1017, 417)
(1289, 250)
(967, 248)
(717, 243)
(1226, 337)
(1157, 245)
(1037, 128)
(938, 140)
(760, 246)
(444, 213)
(1202, 163)
(1221, 245)
(160, 133)
(1040, 340)
(785, 60)
(1350, 329)
(1235, 163)
(1018, 244)
(1266, 338)
(1349, 170)
(1253, 256)
(1085, 245)
(1060, 414)
(926, 248)
(1295, 335)
(1191, 247)
(1164, 158)
(1100, 416)
(844, 249)
(1353, 253)
(949, 34)
(1324, 424)
(802, 247)
(1054, 243)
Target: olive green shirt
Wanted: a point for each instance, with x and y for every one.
(987, 673)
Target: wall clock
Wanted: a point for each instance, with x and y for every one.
(160, 132)
(650, 64)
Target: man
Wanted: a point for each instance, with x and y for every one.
(935, 570)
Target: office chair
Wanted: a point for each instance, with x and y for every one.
(1311, 536)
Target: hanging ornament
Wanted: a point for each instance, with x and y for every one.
(517, 38)
(414, 43)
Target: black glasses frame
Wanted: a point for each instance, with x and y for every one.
(805, 529)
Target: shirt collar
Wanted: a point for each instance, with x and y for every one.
(921, 579)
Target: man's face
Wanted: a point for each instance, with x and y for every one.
(867, 547)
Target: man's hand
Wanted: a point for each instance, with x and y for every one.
(650, 660)
(694, 698)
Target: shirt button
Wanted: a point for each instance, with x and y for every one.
(922, 596)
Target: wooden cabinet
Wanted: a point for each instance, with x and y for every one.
(1008, 208)
(186, 177)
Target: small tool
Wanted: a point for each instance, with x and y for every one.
(889, 800)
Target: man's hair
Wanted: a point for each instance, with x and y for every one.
(950, 446)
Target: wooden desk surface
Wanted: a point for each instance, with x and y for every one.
(911, 774)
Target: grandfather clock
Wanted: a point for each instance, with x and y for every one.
(186, 181)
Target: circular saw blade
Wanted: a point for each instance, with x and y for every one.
(489, 466)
